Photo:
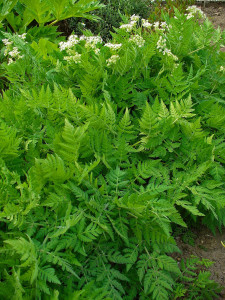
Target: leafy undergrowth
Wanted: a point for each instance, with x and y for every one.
(200, 241)
(110, 16)
(104, 149)
(194, 281)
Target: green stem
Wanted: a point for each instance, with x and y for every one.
(53, 22)
(196, 50)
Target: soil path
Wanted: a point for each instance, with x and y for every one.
(216, 13)
(208, 246)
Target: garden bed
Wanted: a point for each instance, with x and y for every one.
(216, 13)
(203, 244)
(208, 245)
(110, 154)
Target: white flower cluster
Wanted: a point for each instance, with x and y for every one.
(134, 18)
(22, 36)
(145, 23)
(11, 51)
(7, 42)
(222, 69)
(138, 40)
(169, 53)
(72, 40)
(96, 50)
(161, 46)
(14, 53)
(75, 57)
(164, 25)
(91, 41)
(160, 26)
(112, 60)
(156, 25)
(193, 11)
(113, 46)
(130, 26)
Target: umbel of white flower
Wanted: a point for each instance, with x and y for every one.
(145, 23)
(12, 52)
(137, 40)
(113, 46)
(74, 57)
(7, 42)
(130, 26)
(134, 18)
(72, 40)
(161, 46)
(90, 41)
(193, 11)
(112, 60)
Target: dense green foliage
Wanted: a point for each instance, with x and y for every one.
(160, 7)
(195, 286)
(17, 15)
(104, 149)
(111, 16)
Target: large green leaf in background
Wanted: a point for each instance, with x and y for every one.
(44, 11)
(57, 10)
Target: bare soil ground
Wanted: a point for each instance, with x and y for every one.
(216, 13)
(206, 245)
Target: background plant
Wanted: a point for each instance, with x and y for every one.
(194, 283)
(111, 16)
(160, 7)
(105, 148)
(18, 15)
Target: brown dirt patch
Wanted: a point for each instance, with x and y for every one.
(206, 245)
(216, 13)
